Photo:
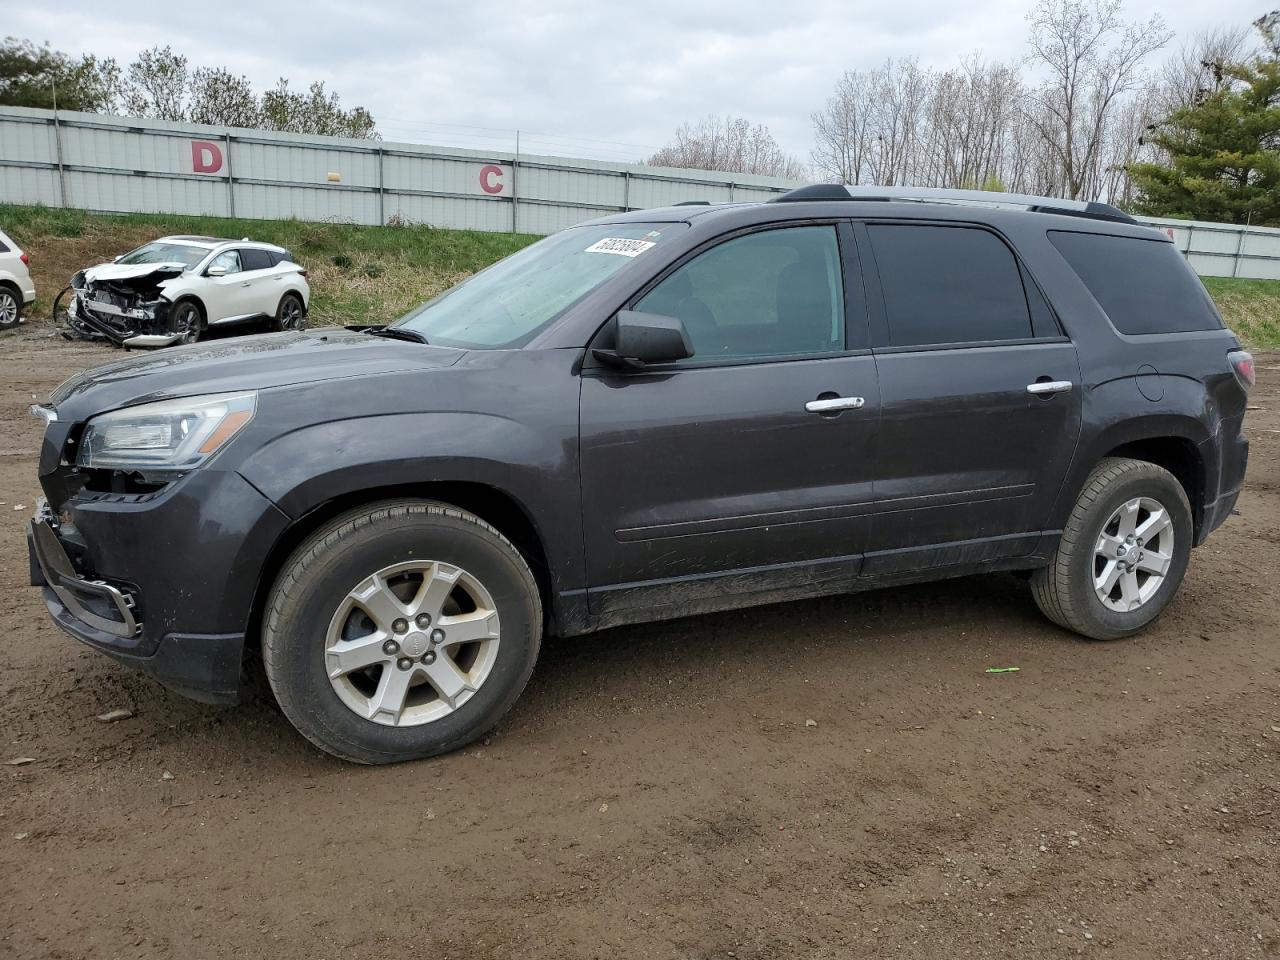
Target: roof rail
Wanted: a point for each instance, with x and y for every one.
(1011, 201)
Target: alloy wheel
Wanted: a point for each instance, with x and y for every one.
(412, 643)
(291, 315)
(8, 309)
(1133, 554)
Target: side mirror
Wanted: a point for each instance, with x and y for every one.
(643, 338)
(216, 272)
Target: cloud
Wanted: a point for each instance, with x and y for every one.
(609, 80)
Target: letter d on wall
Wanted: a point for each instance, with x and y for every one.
(206, 157)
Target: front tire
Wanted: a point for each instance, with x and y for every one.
(401, 630)
(187, 321)
(1122, 554)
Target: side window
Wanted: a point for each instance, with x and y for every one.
(1143, 286)
(768, 294)
(948, 285)
(255, 259)
(228, 260)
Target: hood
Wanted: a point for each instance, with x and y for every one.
(131, 271)
(240, 363)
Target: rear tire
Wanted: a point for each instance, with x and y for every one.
(1122, 554)
(10, 308)
(290, 314)
(362, 637)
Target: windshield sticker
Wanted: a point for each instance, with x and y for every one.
(620, 246)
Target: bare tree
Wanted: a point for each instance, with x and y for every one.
(1195, 69)
(730, 144)
(1092, 58)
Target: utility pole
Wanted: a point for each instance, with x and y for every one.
(57, 145)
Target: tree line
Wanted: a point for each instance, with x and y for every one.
(1084, 114)
(162, 84)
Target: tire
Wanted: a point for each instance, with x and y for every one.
(10, 308)
(290, 314)
(187, 320)
(1087, 557)
(312, 621)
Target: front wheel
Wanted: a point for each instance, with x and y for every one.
(400, 631)
(185, 321)
(1122, 554)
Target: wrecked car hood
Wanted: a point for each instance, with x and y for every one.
(242, 363)
(131, 271)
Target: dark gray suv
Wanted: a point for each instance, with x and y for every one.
(650, 415)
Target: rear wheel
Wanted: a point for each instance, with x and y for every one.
(1122, 554)
(10, 308)
(401, 630)
(290, 315)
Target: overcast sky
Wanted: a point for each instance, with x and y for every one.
(609, 79)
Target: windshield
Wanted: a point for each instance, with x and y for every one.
(166, 253)
(507, 303)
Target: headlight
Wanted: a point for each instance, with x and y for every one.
(170, 435)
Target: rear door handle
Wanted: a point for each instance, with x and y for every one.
(833, 404)
(1046, 387)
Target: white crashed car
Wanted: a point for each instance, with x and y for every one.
(174, 289)
(17, 291)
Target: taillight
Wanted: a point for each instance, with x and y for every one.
(304, 274)
(26, 261)
(1242, 363)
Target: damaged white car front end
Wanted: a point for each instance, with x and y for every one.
(126, 303)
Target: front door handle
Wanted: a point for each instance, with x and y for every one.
(1043, 388)
(834, 404)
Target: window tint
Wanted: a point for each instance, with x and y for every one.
(228, 260)
(948, 285)
(1143, 286)
(254, 259)
(773, 293)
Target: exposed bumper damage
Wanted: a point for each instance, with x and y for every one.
(129, 310)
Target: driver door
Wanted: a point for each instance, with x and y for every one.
(719, 476)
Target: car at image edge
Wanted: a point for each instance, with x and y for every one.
(650, 415)
(17, 290)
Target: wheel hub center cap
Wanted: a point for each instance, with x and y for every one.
(415, 644)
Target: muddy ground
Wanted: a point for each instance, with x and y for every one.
(660, 791)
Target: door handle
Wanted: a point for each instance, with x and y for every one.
(1042, 388)
(245, 283)
(834, 404)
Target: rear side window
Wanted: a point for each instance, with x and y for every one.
(1143, 286)
(255, 259)
(948, 285)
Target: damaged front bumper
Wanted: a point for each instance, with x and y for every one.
(124, 320)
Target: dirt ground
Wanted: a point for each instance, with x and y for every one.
(661, 792)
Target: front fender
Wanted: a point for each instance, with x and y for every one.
(310, 467)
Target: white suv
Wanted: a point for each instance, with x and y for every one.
(172, 289)
(17, 290)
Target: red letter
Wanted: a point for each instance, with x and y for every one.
(491, 178)
(205, 157)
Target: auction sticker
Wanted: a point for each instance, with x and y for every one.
(620, 246)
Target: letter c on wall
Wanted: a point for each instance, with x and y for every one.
(206, 157)
(491, 178)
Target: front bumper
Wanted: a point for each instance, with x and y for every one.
(164, 583)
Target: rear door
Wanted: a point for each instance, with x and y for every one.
(727, 474)
(265, 280)
(980, 397)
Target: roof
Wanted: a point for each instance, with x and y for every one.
(984, 198)
(211, 242)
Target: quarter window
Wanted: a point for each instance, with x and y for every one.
(948, 285)
(768, 294)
